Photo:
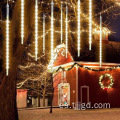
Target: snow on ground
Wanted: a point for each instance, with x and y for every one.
(69, 114)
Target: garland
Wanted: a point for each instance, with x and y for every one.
(88, 68)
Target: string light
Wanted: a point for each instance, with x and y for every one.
(43, 33)
(33, 56)
(56, 69)
(75, 32)
(90, 24)
(82, 14)
(36, 29)
(61, 25)
(87, 18)
(116, 2)
(22, 21)
(52, 33)
(100, 41)
(66, 30)
(79, 28)
(102, 78)
(7, 40)
(106, 10)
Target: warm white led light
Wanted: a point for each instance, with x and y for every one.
(90, 24)
(52, 33)
(66, 30)
(79, 33)
(61, 25)
(36, 29)
(100, 56)
(7, 41)
(43, 33)
(22, 21)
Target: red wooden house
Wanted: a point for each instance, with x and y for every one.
(84, 81)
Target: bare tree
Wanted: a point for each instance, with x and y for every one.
(35, 76)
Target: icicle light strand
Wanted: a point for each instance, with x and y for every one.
(61, 25)
(79, 28)
(90, 24)
(66, 30)
(43, 33)
(52, 33)
(7, 40)
(22, 21)
(100, 41)
(36, 29)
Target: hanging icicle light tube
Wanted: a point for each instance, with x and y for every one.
(36, 29)
(22, 21)
(52, 33)
(79, 33)
(43, 33)
(7, 40)
(90, 24)
(66, 30)
(61, 25)
(100, 56)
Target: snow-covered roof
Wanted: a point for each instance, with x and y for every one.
(60, 56)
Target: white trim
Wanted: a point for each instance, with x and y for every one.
(65, 77)
(76, 83)
(62, 76)
(55, 54)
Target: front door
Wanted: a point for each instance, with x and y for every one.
(84, 94)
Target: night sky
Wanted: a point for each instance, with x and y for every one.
(114, 25)
(112, 21)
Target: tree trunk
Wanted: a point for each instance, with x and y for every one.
(52, 95)
(8, 108)
(44, 91)
(44, 97)
(52, 101)
(38, 100)
(38, 94)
